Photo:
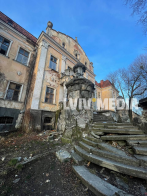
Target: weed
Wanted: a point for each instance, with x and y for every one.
(12, 162)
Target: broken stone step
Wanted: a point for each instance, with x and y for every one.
(85, 147)
(77, 159)
(143, 160)
(110, 155)
(114, 124)
(139, 172)
(96, 184)
(124, 137)
(140, 150)
(97, 132)
(137, 142)
(93, 139)
(122, 127)
(95, 136)
(109, 148)
(86, 141)
(122, 131)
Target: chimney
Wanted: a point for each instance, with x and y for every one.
(49, 27)
(102, 81)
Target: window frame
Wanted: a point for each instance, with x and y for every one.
(57, 67)
(54, 98)
(28, 56)
(21, 89)
(9, 45)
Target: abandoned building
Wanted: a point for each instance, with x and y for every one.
(33, 73)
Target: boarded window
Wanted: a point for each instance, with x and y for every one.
(6, 120)
(13, 91)
(4, 45)
(49, 95)
(23, 56)
(53, 63)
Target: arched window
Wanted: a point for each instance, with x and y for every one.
(63, 44)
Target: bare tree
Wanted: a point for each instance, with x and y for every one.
(131, 82)
(139, 7)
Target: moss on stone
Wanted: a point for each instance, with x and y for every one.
(66, 140)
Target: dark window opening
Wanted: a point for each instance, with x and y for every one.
(85, 63)
(10, 22)
(49, 95)
(47, 120)
(120, 103)
(76, 55)
(23, 56)
(13, 91)
(53, 63)
(4, 45)
(63, 45)
(6, 120)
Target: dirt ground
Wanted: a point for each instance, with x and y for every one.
(46, 176)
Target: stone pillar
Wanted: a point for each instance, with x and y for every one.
(63, 65)
(40, 73)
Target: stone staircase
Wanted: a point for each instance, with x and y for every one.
(102, 148)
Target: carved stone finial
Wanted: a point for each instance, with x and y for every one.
(50, 24)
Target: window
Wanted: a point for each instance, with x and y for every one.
(49, 95)
(53, 63)
(10, 22)
(13, 91)
(76, 55)
(4, 45)
(47, 120)
(85, 63)
(87, 75)
(6, 120)
(22, 56)
(99, 95)
(63, 44)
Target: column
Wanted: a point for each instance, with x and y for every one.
(39, 78)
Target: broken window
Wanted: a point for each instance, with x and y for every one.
(53, 63)
(13, 91)
(49, 95)
(4, 45)
(6, 120)
(22, 56)
(47, 120)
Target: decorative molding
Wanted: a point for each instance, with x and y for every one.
(64, 57)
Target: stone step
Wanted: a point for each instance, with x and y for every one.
(86, 141)
(110, 155)
(97, 132)
(143, 160)
(139, 172)
(124, 137)
(95, 135)
(109, 148)
(96, 184)
(137, 142)
(114, 124)
(86, 147)
(77, 159)
(140, 150)
(114, 127)
(93, 139)
(122, 131)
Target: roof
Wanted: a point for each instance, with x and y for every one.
(103, 84)
(17, 27)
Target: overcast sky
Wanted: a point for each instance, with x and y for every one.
(107, 32)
